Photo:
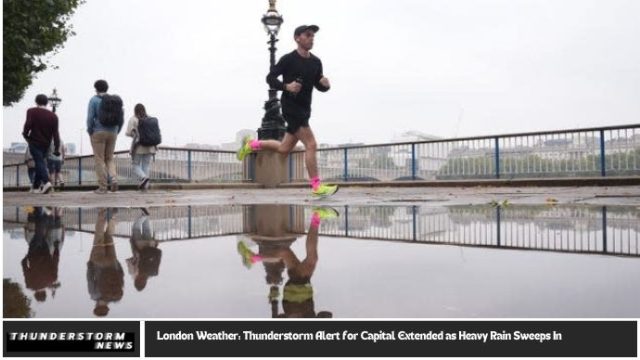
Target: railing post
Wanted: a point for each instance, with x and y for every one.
(18, 175)
(415, 230)
(603, 171)
(604, 229)
(80, 171)
(189, 176)
(345, 175)
(413, 161)
(346, 220)
(498, 223)
(497, 158)
(290, 166)
(251, 163)
(189, 222)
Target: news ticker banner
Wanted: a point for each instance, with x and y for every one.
(286, 338)
(392, 338)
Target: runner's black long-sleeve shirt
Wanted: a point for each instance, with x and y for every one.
(293, 66)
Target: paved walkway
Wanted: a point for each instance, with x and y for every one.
(439, 196)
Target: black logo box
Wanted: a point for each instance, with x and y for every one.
(69, 348)
(579, 339)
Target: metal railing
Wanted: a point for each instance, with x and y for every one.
(169, 165)
(603, 151)
(613, 230)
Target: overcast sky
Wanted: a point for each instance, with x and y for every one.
(442, 67)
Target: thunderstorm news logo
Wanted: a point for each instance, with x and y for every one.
(114, 341)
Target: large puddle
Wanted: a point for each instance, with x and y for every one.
(268, 261)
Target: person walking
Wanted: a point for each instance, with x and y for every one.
(54, 164)
(105, 119)
(301, 71)
(40, 128)
(31, 170)
(145, 135)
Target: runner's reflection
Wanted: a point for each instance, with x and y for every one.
(297, 292)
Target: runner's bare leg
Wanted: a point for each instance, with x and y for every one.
(310, 148)
(288, 143)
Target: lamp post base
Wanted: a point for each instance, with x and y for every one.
(272, 127)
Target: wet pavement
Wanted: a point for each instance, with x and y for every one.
(433, 196)
(427, 259)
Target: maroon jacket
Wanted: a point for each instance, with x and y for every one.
(41, 126)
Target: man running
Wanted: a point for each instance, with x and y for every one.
(301, 71)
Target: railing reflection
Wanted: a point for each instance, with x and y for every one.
(579, 229)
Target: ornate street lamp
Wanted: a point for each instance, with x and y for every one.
(54, 100)
(272, 123)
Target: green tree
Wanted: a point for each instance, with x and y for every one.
(32, 29)
(15, 303)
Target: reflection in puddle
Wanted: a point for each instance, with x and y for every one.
(44, 233)
(114, 266)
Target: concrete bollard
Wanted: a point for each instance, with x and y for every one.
(271, 169)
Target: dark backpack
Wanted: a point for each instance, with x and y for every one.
(150, 261)
(110, 112)
(149, 132)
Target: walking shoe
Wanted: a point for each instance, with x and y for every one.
(325, 190)
(326, 212)
(46, 188)
(33, 190)
(143, 183)
(100, 191)
(114, 187)
(245, 148)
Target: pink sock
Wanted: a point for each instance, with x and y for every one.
(315, 182)
(255, 145)
(315, 220)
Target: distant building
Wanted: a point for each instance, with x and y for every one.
(414, 135)
(233, 146)
(425, 161)
(17, 147)
(71, 149)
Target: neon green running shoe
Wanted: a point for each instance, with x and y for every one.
(325, 190)
(248, 257)
(245, 148)
(326, 212)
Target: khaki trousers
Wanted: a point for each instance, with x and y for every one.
(104, 144)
